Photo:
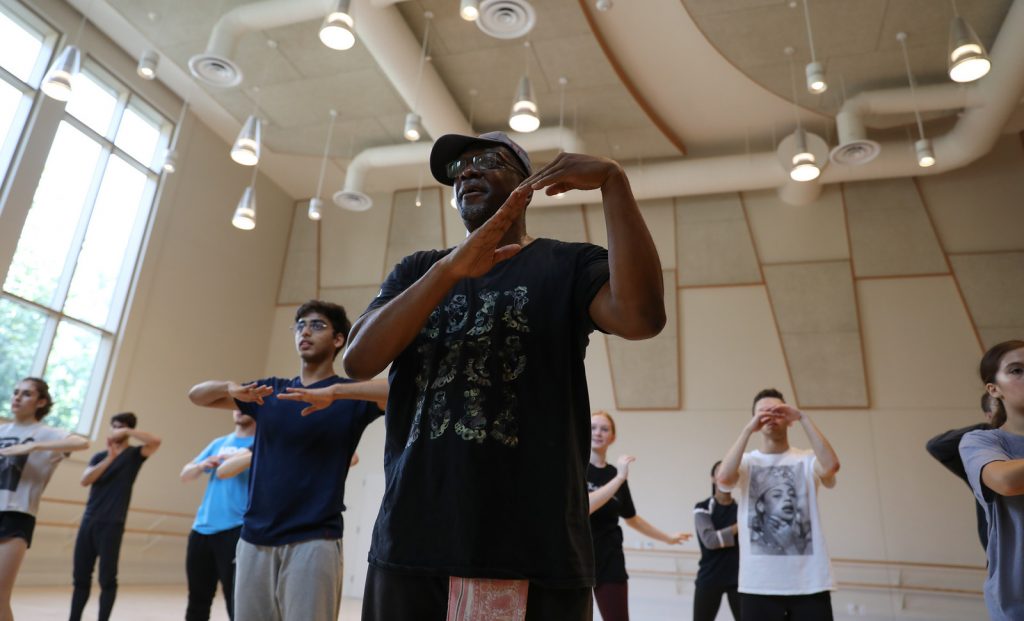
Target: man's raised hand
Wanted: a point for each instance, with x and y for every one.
(249, 393)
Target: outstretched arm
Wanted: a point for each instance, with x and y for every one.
(1005, 478)
(632, 303)
(828, 462)
(379, 336)
(222, 395)
(729, 471)
(73, 442)
(150, 442)
(235, 465)
(643, 526)
(600, 496)
(320, 398)
(713, 538)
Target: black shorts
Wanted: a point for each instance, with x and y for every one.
(17, 524)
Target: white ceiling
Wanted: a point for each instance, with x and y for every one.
(645, 78)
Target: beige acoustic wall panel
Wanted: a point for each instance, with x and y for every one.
(413, 228)
(645, 374)
(920, 347)
(797, 233)
(353, 299)
(299, 276)
(353, 243)
(659, 216)
(816, 311)
(890, 233)
(993, 287)
(732, 349)
(714, 245)
(978, 208)
(564, 223)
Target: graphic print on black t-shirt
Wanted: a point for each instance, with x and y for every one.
(484, 377)
(11, 467)
(778, 513)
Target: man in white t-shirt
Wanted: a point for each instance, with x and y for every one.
(785, 571)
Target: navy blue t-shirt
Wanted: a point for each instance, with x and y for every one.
(299, 464)
(110, 494)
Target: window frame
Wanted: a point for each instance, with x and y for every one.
(34, 129)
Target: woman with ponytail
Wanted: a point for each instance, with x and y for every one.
(29, 453)
(994, 460)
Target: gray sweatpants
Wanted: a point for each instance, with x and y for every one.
(291, 582)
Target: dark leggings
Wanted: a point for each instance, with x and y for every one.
(708, 599)
(815, 607)
(613, 600)
(210, 558)
(102, 539)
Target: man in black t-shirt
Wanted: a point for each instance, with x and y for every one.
(488, 421)
(111, 473)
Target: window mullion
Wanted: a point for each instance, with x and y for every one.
(45, 343)
(60, 295)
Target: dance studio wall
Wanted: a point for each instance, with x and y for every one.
(869, 308)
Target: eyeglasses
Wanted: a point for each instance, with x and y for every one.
(314, 325)
(489, 160)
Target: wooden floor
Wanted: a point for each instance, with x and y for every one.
(134, 603)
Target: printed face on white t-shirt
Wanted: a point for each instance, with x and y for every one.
(778, 512)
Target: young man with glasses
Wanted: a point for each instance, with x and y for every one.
(289, 563)
(488, 431)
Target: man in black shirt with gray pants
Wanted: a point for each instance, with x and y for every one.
(111, 473)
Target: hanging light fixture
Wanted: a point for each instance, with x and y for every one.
(413, 129)
(316, 203)
(244, 217)
(246, 150)
(524, 117)
(968, 59)
(815, 71)
(147, 65)
(170, 164)
(336, 31)
(57, 82)
(469, 10)
(803, 165)
(923, 146)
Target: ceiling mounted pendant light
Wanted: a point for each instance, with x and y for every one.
(923, 146)
(246, 150)
(968, 60)
(244, 217)
(316, 204)
(170, 164)
(469, 10)
(815, 71)
(336, 31)
(413, 129)
(57, 82)
(524, 117)
(803, 166)
(147, 64)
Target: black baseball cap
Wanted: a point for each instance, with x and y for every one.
(449, 147)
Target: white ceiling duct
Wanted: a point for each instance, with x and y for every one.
(990, 102)
(380, 28)
(353, 196)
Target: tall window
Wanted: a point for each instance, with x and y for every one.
(66, 286)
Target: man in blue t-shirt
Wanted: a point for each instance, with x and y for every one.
(289, 561)
(111, 473)
(211, 544)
